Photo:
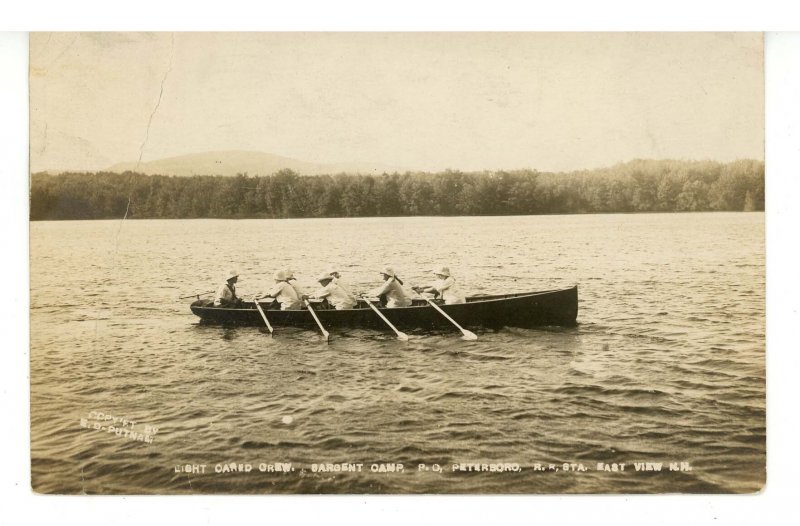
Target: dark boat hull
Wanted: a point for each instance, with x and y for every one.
(526, 310)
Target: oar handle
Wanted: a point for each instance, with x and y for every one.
(319, 323)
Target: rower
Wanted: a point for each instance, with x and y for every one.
(337, 278)
(391, 292)
(444, 287)
(226, 293)
(336, 295)
(293, 282)
(284, 293)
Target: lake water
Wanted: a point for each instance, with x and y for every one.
(666, 365)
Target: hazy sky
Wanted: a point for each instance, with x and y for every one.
(426, 101)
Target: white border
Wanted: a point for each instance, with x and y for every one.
(14, 309)
(783, 136)
(783, 223)
(408, 15)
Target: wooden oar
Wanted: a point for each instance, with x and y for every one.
(400, 335)
(324, 332)
(263, 315)
(468, 335)
(198, 295)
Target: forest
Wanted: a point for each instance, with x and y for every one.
(635, 186)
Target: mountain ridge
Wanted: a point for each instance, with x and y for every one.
(233, 162)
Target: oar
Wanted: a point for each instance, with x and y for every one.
(400, 335)
(468, 335)
(198, 295)
(324, 332)
(263, 315)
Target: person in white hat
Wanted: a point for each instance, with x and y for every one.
(391, 292)
(444, 287)
(337, 278)
(226, 293)
(337, 296)
(284, 293)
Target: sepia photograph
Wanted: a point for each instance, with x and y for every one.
(397, 263)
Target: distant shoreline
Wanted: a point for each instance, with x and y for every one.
(142, 219)
(642, 186)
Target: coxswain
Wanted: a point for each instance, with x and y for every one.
(335, 294)
(391, 293)
(284, 293)
(443, 287)
(226, 293)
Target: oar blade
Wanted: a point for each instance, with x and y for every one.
(400, 335)
(469, 335)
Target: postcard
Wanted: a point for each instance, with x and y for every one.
(397, 263)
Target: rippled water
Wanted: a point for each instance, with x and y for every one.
(666, 365)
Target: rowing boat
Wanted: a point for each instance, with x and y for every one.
(523, 309)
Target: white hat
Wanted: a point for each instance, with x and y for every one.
(444, 271)
(280, 275)
(389, 271)
(290, 274)
(325, 275)
(233, 273)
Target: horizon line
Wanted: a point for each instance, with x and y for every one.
(56, 172)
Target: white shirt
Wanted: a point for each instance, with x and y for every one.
(337, 296)
(224, 294)
(297, 289)
(286, 296)
(340, 282)
(448, 290)
(395, 295)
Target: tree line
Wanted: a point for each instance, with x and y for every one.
(635, 186)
